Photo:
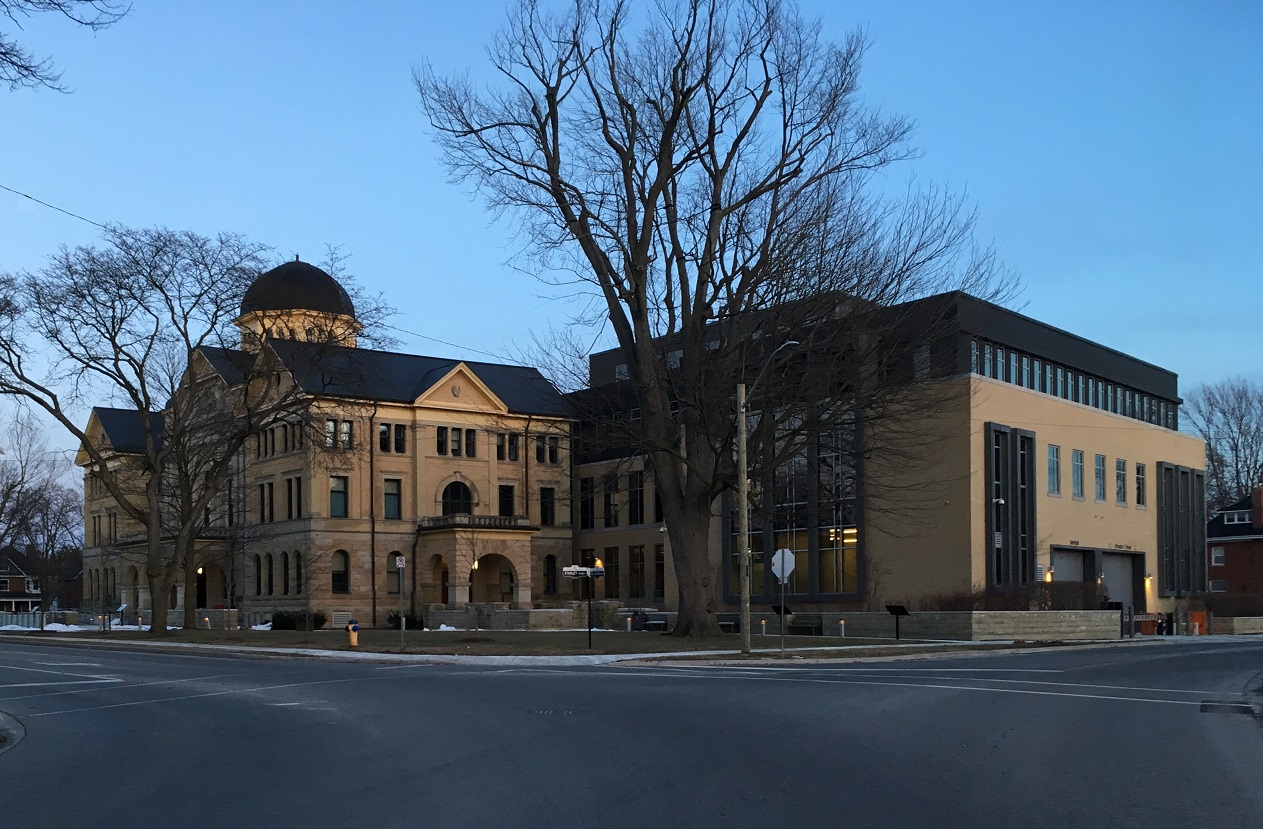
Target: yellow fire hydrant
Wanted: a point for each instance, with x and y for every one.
(353, 633)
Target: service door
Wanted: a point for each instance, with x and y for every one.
(1119, 578)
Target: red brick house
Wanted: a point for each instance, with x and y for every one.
(19, 589)
(1234, 546)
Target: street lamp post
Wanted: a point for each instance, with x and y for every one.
(743, 495)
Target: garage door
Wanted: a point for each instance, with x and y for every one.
(1067, 565)
(1119, 578)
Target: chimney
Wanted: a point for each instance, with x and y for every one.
(1256, 506)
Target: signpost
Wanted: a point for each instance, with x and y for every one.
(782, 568)
(400, 561)
(577, 571)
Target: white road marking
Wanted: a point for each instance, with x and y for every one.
(283, 704)
(72, 664)
(134, 685)
(808, 667)
(228, 692)
(43, 671)
(58, 684)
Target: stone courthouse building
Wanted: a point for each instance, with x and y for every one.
(460, 467)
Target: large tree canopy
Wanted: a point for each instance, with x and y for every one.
(704, 166)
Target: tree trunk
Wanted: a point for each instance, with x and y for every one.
(695, 574)
(158, 599)
(190, 597)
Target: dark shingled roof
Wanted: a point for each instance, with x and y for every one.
(1216, 528)
(125, 429)
(232, 364)
(321, 369)
(297, 285)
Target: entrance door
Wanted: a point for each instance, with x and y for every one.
(1119, 579)
(201, 588)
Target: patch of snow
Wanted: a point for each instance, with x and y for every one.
(264, 626)
(447, 627)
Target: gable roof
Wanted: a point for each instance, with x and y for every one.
(232, 364)
(125, 429)
(388, 376)
(1218, 528)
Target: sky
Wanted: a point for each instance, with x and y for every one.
(1111, 149)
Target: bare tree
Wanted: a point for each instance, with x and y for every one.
(702, 168)
(19, 67)
(1228, 415)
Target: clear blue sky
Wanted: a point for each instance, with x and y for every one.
(1112, 150)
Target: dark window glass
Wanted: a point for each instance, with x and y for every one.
(659, 572)
(550, 575)
(401, 438)
(394, 576)
(440, 440)
(500, 446)
(285, 573)
(258, 576)
(471, 443)
(457, 499)
(337, 496)
(383, 437)
(611, 573)
(455, 448)
(541, 449)
(554, 450)
(393, 507)
(610, 486)
(514, 447)
(636, 571)
(508, 503)
(547, 506)
(271, 582)
(635, 497)
(341, 572)
(587, 504)
(344, 434)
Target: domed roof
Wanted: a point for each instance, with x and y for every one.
(297, 285)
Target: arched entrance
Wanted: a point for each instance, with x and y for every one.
(493, 579)
(438, 591)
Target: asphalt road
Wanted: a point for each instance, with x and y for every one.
(1157, 735)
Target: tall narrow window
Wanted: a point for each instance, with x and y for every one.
(587, 503)
(298, 572)
(547, 506)
(973, 356)
(455, 448)
(999, 363)
(659, 572)
(258, 575)
(636, 571)
(554, 450)
(1076, 473)
(501, 442)
(337, 496)
(1099, 471)
(383, 437)
(401, 438)
(550, 575)
(508, 503)
(611, 573)
(1038, 372)
(271, 577)
(344, 434)
(514, 447)
(610, 486)
(340, 581)
(263, 504)
(289, 498)
(440, 440)
(285, 573)
(1140, 485)
(471, 443)
(1054, 469)
(392, 492)
(635, 497)
(541, 449)
(1120, 482)
(394, 576)
(1026, 371)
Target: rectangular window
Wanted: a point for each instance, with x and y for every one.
(454, 448)
(636, 571)
(508, 504)
(1216, 556)
(611, 573)
(554, 450)
(999, 363)
(547, 506)
(1061, 382)
(383, 437)
(610, 487)
(973, 356)
(1049, 385)
(1140, 485)
(401, 438)
(659, 572)
(587, 504)
(635, 497)
(1099, 469)
(541, 449)
(392, 508)
(263, 504)
(1038, 372)
(289, 498)
(331, 434)
(501, 442)
(1054, 469)
(344, 434)
(1076, 473)
(440, 440)
(1219, 586)
(1014, 376)
(337, 496)
(471, 443)
(514, 447)
(298, 497)
(657, 504)
(1120, 482)
(1026, 372)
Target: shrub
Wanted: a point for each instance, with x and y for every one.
(415, 622)
(1230, 604)
(286, 620)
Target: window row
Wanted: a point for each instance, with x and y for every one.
(612, 504)
(266, 581)
(645, 578)
(1001, 363)
(278, 439)
(457, 499)
(293, 500)
(104, 529)
(1099, 477)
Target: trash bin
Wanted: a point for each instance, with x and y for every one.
(353, 633)
(639, 620)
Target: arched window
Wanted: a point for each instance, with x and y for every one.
(285, 573)
(258, 576)
(298, 572)
(457, 500)
(341, 572)
(550, 575)
(394, 576)
(269, 563)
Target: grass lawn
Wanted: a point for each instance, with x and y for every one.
(487, 642)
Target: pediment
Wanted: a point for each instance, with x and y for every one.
(461, 389)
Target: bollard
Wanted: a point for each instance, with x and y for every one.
(629, 624)
(842, 628)
(1197, 628)
(353, 633)
(763, 625)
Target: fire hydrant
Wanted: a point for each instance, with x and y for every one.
(353, 632)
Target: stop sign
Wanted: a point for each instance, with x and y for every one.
(782, 564)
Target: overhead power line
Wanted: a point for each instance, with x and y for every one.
(53, 207)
